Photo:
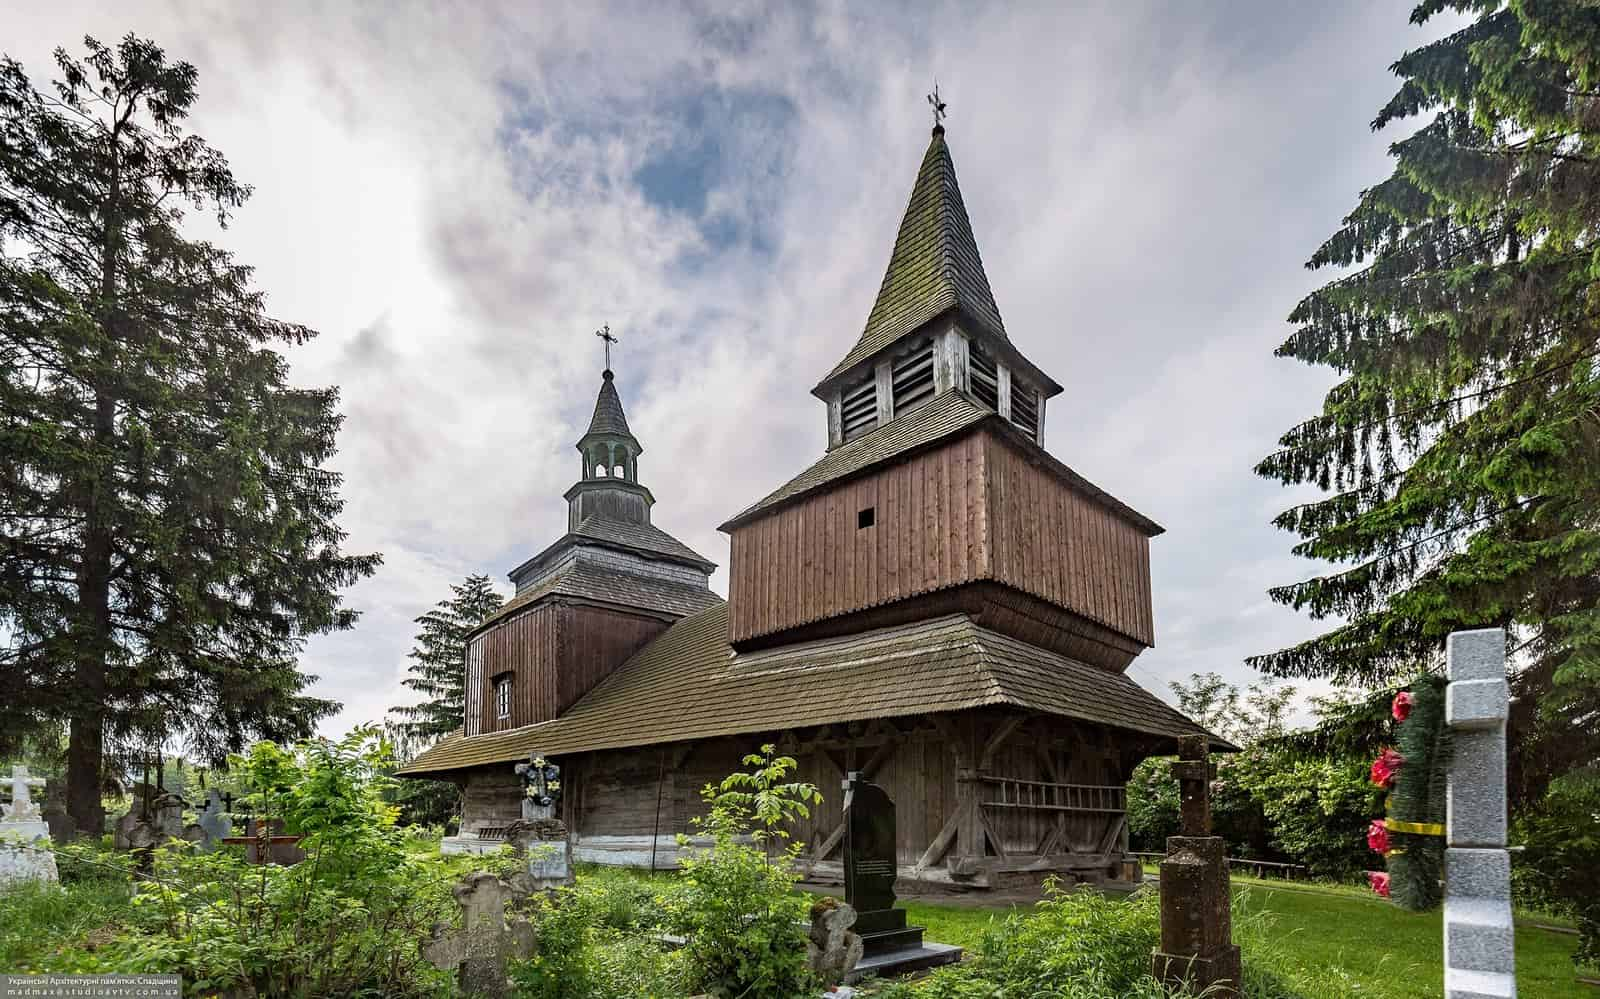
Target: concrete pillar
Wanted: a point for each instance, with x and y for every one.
(1479, 962)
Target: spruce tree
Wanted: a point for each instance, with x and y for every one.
(1461, 445)
(438, 661)
(166, 517)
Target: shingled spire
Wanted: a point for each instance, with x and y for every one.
(608, 420)
(610, 481)
(935, 265)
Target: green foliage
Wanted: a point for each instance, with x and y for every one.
(1462, 444)
(1416, 861)
(1241, 718)
(1153, 806)
(1560, 866)
(169, 522)
(744, 923)
(436, 672)
(345, 921)
(1317, 810)
(1269, 803)
(577, 956)
(1080, 944)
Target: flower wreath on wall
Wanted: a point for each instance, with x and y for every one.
(1412, 836)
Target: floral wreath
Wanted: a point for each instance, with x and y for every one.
(1411, 837)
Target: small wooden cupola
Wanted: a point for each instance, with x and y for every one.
(934, 326)
(609, 484)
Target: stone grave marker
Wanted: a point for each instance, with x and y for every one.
(1196, 919)
(832, 949)
(214, 822)
(889, 946)
(1479, 959)
(24, 836)
(486, 940)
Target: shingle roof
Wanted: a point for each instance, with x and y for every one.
(935, 264)
(644, 537)
(591, 582)
(608, 418)
(689, 684)
(946, 416)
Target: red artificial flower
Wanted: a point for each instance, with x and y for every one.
(1401, 708)
(1379, 882)
(1386, 766)
(1378, 836)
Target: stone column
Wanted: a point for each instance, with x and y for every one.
(1196, 919)
(1478, 955)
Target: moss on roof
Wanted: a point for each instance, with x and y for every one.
(935, 266)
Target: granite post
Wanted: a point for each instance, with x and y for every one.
(1479, 962)
(1197, 946)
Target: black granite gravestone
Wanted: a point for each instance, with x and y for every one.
(870, 869)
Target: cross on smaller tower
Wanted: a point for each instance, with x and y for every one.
(604, 333)
(938, 106)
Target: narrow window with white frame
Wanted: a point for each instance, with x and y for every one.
(502, 696)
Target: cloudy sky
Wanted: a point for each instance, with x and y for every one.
(456, 196)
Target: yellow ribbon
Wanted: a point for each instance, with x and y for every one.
(1414, 828)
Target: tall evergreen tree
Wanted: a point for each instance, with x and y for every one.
(167, 522)
(1462, 444)
(438, 660)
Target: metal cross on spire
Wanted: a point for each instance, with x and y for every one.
(605, 334)
(938, 106)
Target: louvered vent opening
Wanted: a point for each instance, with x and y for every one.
(984, 378)
(1024, 409)
(859, 412)
(913, 379)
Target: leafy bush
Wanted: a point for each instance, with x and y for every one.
(578, 957)
(1560, 867)
(1080, 944)
(345, 921)
(738, 910)
(1269, 804)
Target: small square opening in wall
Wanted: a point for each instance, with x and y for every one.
(866, 518)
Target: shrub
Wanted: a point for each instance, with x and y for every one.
(577, 957)
(1560, 868)
(744, 923)
(1269, 803)
(1080, 944)
(345, 921)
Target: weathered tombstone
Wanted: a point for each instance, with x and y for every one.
(55, 811)
(25, 853)
(547, 848)
(832, 950)
(1196, 919)
(1479, 959)
(486, 940)
(889, 946)
(214, 822)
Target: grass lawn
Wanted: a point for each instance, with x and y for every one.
(1393, 953)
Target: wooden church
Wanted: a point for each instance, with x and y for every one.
(936, 602)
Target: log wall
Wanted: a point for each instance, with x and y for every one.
(1062, 546)
(556, 653)
(955, 822)
(811, 560)
(975, 509)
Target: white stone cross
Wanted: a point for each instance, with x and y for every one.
(22, 808)
(1479, 959)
